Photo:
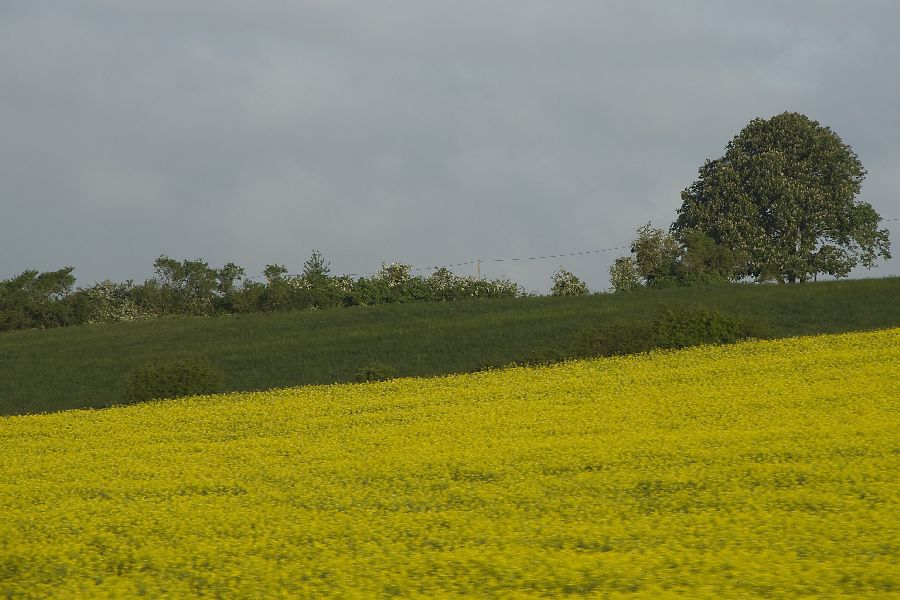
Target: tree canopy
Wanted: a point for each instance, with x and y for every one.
(658, 260)
(783, 199)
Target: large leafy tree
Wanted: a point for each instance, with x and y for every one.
(783, 197)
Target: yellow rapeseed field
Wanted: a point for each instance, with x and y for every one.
(762, 469)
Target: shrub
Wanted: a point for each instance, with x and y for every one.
(36, 300)
(683, 327)
(566, 283)
(672, 328)
(546, 356)
(183, 377)
(375, 372)
(661, 260)
(627, 338)
(108, 302)
(624, 275)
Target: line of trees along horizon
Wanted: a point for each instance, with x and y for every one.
(779, 205)
(193, 288)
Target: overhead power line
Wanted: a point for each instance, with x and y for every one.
(495, 260)
(478, 262)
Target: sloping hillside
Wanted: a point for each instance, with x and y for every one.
(761, 469)
(88, 366)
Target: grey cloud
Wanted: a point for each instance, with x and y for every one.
(429, 133)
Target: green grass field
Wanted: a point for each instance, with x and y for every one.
(79, 367)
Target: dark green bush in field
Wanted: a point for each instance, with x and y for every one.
(375, 371)
(672, 328)
(184, 377)
(547, 356)
(683, 327)
(623, 338)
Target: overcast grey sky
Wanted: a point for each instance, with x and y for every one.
(421, 132)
